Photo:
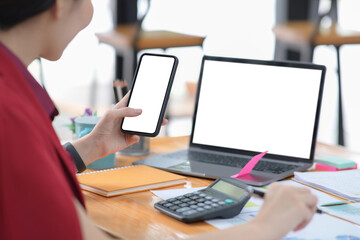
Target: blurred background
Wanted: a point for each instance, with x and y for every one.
(83, 77)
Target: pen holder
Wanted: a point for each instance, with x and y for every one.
(138, 149)
(83, 126)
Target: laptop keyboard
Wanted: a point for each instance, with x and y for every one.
(262, 166)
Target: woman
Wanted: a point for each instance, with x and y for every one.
(40, 195)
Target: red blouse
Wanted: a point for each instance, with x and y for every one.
(37, 180)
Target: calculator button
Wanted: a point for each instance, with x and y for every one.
(207, 207)
(215, 200)
(174, 208)
(189, 212)
(180, 197)
(189, 195)
(202, 195)
(229, 201)
(200, 200)
(177, 202)
(214, 205)
(184, 205)
(193, 206)
(182, 209)
(168, 205)
(208, 198)
(196, 193)
(171, 200)
(192, 202)
(162, 202)
(200, 209)
(194, 197)
(201, 204)
(221, 203)
(208, 202)
(186, 200)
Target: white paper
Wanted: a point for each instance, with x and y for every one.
(166, 194)
(243, 217)
(325, 227)
(322, 226)
(342, 183)
(350, 212)
(322, 197)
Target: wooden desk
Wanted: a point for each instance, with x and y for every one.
(133, 216)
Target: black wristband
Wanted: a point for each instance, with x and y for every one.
(76, 157)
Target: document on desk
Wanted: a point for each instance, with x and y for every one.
(323, 198)
(325, 227)
(166, 194)
(322, 226)
(344, 184)
(350, 211)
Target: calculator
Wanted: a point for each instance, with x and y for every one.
(224, 198)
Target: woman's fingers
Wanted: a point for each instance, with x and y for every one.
(125, 112)
(123, 102)
(131, 139)
(164, 122)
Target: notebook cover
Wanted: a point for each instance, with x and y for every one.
(128, 179)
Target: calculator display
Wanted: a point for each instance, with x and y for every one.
(229, 189)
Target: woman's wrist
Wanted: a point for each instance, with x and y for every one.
(263, 229)
(79, 163)
(88, 148)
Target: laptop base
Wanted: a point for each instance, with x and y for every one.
(195, 168)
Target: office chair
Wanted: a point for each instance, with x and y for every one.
(304, 36)
(129, 39)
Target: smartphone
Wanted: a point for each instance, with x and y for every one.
(150, 92)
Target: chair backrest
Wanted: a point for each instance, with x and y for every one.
(140, 21)
(294, 10)
(307, 10)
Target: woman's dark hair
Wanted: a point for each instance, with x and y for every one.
(13, 12)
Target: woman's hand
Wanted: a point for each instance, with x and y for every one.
(285, 209)
(106, 137)
(107, 133)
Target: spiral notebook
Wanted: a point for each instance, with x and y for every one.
(118, 181)
(344, 184)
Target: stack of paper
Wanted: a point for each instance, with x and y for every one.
(344, 184)
(323, 198)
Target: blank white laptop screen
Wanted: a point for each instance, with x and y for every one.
(257, 107)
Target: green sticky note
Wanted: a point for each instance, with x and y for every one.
(337, 162)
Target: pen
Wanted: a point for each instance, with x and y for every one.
(339, 203)
(262, 195)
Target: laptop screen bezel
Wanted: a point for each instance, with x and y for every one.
(193, 145)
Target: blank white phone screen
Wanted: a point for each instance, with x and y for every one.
(148, 93)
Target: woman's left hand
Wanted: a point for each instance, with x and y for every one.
(106, 137)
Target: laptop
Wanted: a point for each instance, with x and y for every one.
(245, 107)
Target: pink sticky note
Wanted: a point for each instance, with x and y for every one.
(324, 167)
(250, 165)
